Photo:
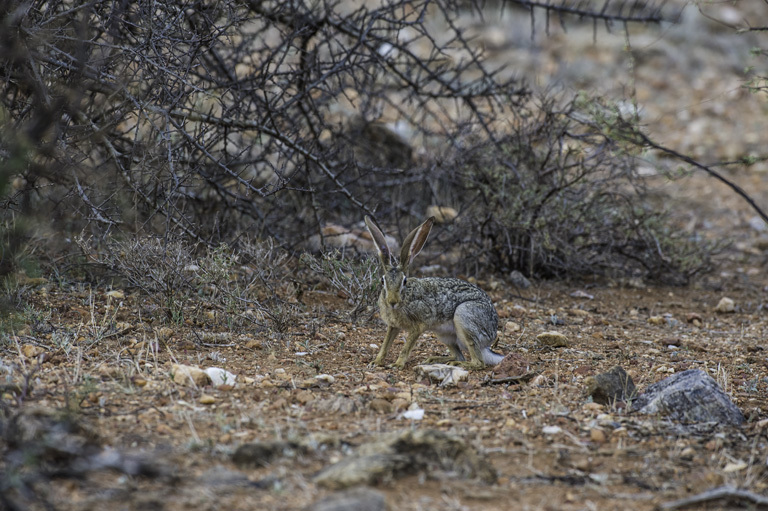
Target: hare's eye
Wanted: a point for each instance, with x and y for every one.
(382, 279)
(405, 279)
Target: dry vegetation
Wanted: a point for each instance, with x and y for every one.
(183, 185)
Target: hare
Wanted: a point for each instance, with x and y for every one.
(461, 314)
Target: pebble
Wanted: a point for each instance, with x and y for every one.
(725, 305)
(358, 499)
(399, 404)
(31, 351)
(119, 295)
(186, 375)
(164, 333)
(612, 386)
(254, 344)
(519, 280)
(511, 326)
(442, 214)
(597, 436)
(207, 399)
(734, 467)
(380, 405)
(553, 339)
(305, 396)
(325, 378)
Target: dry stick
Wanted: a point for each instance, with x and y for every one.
(712, 172)
(721, 492)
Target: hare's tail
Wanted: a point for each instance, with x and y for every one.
(490, 358)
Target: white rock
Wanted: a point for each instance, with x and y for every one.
(327, 378)
(445, 374)
(725, 305)
(220, 376)
(551, 430)
(415, 415)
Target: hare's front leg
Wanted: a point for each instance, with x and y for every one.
(410, 342)
(391, 334)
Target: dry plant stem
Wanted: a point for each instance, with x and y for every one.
(728, 493)
(645, 140)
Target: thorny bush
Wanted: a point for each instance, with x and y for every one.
(208, 119)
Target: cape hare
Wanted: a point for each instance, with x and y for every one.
(461, 314)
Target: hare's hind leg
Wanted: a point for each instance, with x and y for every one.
(448, 337)
(474, 331)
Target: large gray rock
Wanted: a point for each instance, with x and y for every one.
(689, 397)
(356, 499)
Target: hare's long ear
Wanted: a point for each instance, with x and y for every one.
(414, 242)
(380, 241)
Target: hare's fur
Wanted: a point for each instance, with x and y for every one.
(461, 314)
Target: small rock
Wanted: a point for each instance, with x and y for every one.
(519, 280)
(119, 295)
(220, 377)
(517, 311)
(609, 387)
(656, 320)
(380, 405)
(725, 305)
(551, 430)
(400, 404)
(553, 339)
(254, 344)
(442, 214)
(258, 454)
(511, 326)
(304, 397)
(207, 399)
(582, 294)
(689, 397)
(325, 378)
(734, 467)
(693, 317)
(512, 365)
(356, 499)
(597, 436)
(31, 351)
(189, 375)
(164, 333)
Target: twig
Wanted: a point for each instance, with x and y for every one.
(709, 170)
(721, 492)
